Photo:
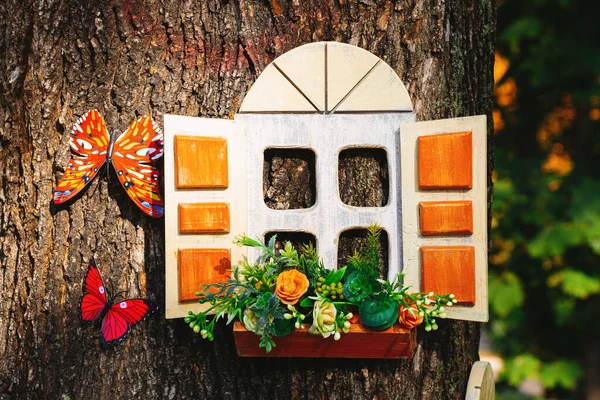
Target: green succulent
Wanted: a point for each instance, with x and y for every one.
(379, 313)
(283, 327)
(357, 288)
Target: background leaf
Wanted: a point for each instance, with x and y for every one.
(505, 293)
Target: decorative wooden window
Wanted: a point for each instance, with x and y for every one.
(328, 98)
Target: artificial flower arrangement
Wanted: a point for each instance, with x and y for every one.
(286, 289)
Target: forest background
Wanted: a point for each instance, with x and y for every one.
(544, 275)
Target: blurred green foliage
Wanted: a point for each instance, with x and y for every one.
(544, 265)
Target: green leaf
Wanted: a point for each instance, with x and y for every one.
(230, 318)
(267, 251)
(555, 240)
(289, 255)
(271, 244)
(505, 293)
(585, 211)
(307, 303)
(563, 373)
(335, 276)
(521, 29)
(563, 309)
(520, 368)
(505, 196)
(577, 284)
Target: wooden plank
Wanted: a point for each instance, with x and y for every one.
(481, 385)
(449, 269)
(446, 161)
(203, 217)
(200, 266)
(359, 342)
(347, 65)
(446, 217)
(201, 162)
(273, 92)
(296, 63)
(381, 90)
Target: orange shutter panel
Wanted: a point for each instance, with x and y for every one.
(203, 217)
(205, 206)
(444, 211)
(446, 217)
(201, 162)
(201, 266)
(449, 269)
(446, 161)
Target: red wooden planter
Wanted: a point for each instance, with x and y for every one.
(359, 342)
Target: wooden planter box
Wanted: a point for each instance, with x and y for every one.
(359, 342)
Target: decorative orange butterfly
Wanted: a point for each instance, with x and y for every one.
(131, 154)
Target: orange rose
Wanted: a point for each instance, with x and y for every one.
(291, 285)
(409, 316)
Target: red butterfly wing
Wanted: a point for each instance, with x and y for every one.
(133, 153)
(122, 317)
(89, 141)
(93, 300)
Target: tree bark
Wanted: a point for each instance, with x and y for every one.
(132, 57)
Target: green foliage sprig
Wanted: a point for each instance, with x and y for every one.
(426, 305)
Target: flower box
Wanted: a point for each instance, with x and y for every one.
(292, 306)
(359, 342)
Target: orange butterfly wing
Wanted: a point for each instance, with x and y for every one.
(133, 153)
(89, 141)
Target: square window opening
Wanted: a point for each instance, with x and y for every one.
(363, 177)
(289, 178)
(354, 240)
(297, 238)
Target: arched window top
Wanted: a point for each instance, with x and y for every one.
(324, 78)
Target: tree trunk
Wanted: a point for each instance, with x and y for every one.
(132, 57)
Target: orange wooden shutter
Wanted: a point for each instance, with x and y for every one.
(205, 206)
(444, 211)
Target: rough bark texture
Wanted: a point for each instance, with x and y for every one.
(363, 177)
(132, 57)
(289, 179)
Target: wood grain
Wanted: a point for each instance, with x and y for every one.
(200, 266)
(201, 162)
(446, 217)
(481, 385)
(359, 342)
(446, 161)
(203, 217)
(449, 269)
